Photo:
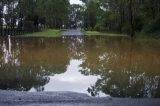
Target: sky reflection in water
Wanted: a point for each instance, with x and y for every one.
(114, 66)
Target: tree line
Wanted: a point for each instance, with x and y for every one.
(33, 15)
(123, 16)
(118, 16)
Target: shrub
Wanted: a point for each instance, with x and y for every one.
(153, 26)
(100, 27)
(90, 29)
(29, 26)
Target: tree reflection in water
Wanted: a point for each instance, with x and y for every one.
(123, 68)
(127, 69)
(27, 63)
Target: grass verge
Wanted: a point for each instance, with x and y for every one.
(47, 33)
(96, 33)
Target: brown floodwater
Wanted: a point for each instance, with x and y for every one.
(97, 66)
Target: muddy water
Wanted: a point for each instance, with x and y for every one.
(97, 66)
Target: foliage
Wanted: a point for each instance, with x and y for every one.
(28, 26)
(76, 16)
(122, 16)
(153, 26)
(100, 27)
(39, 13)
(91, 14)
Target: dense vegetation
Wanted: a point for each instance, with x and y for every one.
(33, 15)
(118, 16)
(123, 16)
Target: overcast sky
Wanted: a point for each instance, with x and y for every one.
(75, 2)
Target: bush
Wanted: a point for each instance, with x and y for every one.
(153, 26)
(100, 27)
(126, 28)
(29, 26)
(89, 29)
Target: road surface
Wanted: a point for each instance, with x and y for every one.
(73, 32)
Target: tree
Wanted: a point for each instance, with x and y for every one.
(76, 15)
(57, 12)
(120, 16)
(131, 16)
(50, 13)
(1, 16)
(92, 14)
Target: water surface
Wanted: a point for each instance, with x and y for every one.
(97, 66)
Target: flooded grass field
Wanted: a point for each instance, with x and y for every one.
(97, 66)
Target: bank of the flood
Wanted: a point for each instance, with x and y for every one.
(14, 98)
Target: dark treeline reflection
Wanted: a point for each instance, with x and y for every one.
(125, 68)
(27, 63)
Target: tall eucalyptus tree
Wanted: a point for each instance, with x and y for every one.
(1, 16)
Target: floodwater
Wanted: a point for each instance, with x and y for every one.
(97, 66)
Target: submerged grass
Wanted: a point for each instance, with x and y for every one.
(47, 33)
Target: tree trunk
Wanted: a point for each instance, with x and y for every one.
(131, 16)
(12, 18)
(1, 27)
(1, 18)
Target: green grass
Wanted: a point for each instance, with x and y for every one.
(96, 33)
(47, 33)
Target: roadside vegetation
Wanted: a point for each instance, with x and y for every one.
(97, 33)
(30, 16)
(46, 33)
(131, 17)
(126, 17)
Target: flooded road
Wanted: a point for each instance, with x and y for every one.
(74, 32)
(97, 66)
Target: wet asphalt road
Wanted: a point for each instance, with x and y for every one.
(14, 98)
(73, 32)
